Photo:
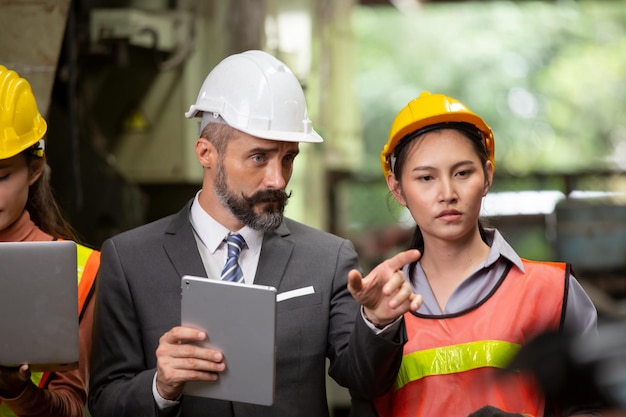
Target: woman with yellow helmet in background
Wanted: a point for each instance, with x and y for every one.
(481, 301)
(29, 212)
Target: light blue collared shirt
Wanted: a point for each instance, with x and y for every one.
(580, 313)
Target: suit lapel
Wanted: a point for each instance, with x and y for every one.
(180, 245)
(275, 253)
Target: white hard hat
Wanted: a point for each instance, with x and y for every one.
(257, 94)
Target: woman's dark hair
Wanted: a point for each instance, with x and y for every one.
(42, 206)
(401, 152)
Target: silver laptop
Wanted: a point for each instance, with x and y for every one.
(39, 305)
(240, 321)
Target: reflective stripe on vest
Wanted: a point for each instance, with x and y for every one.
(450, 363)
(455, 359)
(88, 261)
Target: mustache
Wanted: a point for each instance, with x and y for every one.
(264, 196)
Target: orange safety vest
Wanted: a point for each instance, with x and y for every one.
(450, 363)
(88, 262)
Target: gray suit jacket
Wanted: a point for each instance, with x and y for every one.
(138, 300)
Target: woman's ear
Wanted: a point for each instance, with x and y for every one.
(488, 177)
(395, 188)
(35, 169)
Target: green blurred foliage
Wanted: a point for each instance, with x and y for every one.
(548, 77)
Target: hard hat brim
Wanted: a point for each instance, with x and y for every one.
(309, 136)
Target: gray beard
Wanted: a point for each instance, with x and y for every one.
(269, 219)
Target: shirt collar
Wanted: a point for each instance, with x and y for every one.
(212, 233)
(500, 248)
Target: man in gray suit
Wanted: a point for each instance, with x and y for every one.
(253, 118)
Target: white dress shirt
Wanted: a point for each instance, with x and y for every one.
(210, 237)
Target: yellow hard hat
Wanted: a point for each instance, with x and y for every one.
(21, 125)
(427, 110)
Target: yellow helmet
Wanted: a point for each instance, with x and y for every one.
(427, 110)
(21, 125)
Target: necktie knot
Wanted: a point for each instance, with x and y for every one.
(232, 271)
(235, 243)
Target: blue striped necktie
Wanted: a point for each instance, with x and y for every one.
(232, 271)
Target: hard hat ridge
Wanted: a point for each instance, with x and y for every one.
(255, 93)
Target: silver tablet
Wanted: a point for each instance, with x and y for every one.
(39, 305)
(240, 321)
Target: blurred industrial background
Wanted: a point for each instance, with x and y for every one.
(114, 78)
